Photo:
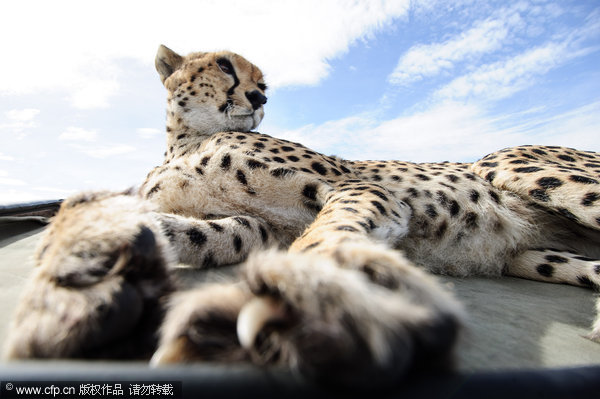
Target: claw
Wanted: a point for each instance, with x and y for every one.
(170, 353)
(255, 315)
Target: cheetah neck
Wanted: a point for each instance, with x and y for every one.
(182, 139)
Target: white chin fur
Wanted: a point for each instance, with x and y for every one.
(206, 119)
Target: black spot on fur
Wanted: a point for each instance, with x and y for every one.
(293, 158)
(319, 168)
(584, 258)
(254, 164)
(413, 192)
(471, 220)
(556, 259)
(216, 227)
(205, 160)
(241, 177)
(244, 222)
(490, 176)
(589, 199)
(597, 269)
(153, 191)
(199, 170)
(566, 158)
(539, 194)
(566, 213)
(422, 177)
(282, 172)
(489, 164)
(439, 233)
(259, 145)
(549, 182)
(347, 228)
(196, 236)
(287, 148)
(379, 207)
(454, 208)
(519, 161)
(379, 194)
(279, 159)
(264, 236)
(348, 209)
(344, 169)
(237, 243)
(539, 152)
(545, 270)
(431, 211)
(474, 196)
(495, 196)
(582, 179)
(452, 178)
(586, 282)
(310, 192)
(528, 169)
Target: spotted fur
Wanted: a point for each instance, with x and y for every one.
(337, 299)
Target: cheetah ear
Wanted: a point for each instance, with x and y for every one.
(166, 62)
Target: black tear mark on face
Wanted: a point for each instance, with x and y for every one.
(226, 67)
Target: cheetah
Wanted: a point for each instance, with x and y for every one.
(336, 256)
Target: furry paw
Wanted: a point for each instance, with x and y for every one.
(200, 325)
(366, 317)
(96, 291)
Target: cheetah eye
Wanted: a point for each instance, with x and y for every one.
(262, 86)
(225, 66)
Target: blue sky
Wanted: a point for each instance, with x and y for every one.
(81, 106)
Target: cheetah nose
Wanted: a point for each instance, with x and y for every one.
(256, 98)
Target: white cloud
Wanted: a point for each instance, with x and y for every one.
(149, 132)
(504, 78)
(484, 37)
(450, 131)
(78, 134)
(93, 93)
(7, 181)
(4, 157)
(22, 115)
(73, 46)
(19, 121)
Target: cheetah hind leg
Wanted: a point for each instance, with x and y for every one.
(555, 266)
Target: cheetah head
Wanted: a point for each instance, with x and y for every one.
(211, 92)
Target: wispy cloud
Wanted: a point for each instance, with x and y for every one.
(22, 115)
(450, 131)
(503, 78)
(485, 36)
(79, 53)
(19, 121)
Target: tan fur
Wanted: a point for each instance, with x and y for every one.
(355, 310)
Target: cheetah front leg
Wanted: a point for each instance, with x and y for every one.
(98, 286)
(342, 305)
(104, 270)
(339, 306)
(209, 243)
